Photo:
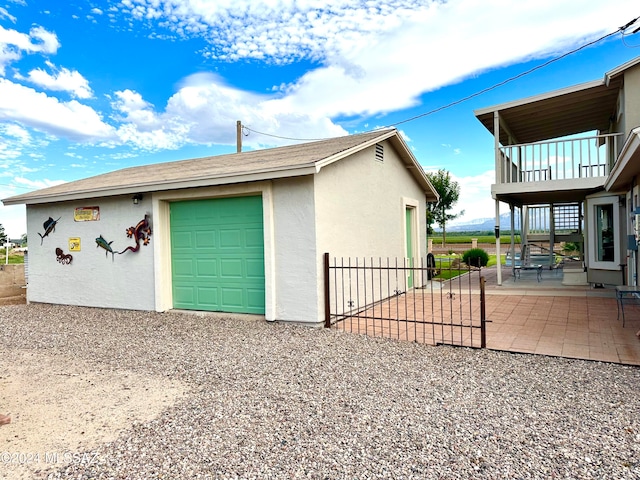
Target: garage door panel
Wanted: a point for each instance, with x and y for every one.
(232, 297)
(254, 268)
(218, 254)
(183, 295)
(231, 239)
(255, 299)
(184, 267)
(207, 267)
(208, 296)
(205, 239)
(182, 240)
(254, 237)
(231, 268)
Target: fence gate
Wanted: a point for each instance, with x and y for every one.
(435, 304)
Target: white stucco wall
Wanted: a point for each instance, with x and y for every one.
(295, 251)
(91, 279)
(360, 206)
(360, 212)
(631, 100)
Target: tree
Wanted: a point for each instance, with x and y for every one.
(449, 192)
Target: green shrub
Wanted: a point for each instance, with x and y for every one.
(476, 257)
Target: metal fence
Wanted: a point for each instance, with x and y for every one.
(417, 300)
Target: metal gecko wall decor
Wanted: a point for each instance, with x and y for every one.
(140, 233)
(49, 226)
(63, 258)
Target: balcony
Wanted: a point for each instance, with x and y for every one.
(556, 170)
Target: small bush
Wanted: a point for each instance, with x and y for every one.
(476, 257)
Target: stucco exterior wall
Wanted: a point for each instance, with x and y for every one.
(631, 99)
(295, 250)
(363, 201)
(361, 207)
(91, 279)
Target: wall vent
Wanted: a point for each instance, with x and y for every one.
(379, 152)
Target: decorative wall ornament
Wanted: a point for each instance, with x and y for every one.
(63, 258)
(140, 233)
(102, 243)
(49, 226)
(86, 214)
(74, 244)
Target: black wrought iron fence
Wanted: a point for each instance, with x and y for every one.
(408, 299)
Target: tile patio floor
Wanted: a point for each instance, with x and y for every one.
(549, 318)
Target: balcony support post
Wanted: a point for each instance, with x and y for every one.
(496, 147)
(513, 239)
(497, 230)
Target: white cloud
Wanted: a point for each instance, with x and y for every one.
(37, 184)
(475, 197)
(35, 109)
(62, 80)
(374, 58)
(14, 218)
(13, 43)
(5, 14)
(205, 110)
(380, 57)
(17, 146)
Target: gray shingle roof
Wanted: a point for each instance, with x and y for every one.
(300, 159)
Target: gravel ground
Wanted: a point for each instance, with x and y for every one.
(280, 401)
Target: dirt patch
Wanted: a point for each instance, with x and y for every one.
(61, 408)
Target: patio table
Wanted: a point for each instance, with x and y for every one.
(626, 293)
(537, 268)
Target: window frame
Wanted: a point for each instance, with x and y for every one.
(595, 235)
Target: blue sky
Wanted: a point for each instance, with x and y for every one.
(88, 87)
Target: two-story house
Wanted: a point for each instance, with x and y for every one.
(568, 161)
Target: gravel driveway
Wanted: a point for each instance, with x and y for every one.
(280, 401)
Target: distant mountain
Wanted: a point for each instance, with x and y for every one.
(482, 224)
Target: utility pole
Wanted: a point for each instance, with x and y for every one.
(239, 136)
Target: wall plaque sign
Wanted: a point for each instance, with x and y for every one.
(86, 214)
(74, 244)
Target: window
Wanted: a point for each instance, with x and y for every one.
(605, 233)
(604, 230)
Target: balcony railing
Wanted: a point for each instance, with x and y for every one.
(583, 157)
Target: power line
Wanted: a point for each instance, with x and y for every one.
(278, 136)
(481, 92)
(515, 77)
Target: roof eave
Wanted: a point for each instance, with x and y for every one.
(168, 185)
(536, 98)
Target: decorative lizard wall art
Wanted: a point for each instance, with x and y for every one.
(140, 233)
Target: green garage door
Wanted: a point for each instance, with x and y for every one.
(217, 255)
